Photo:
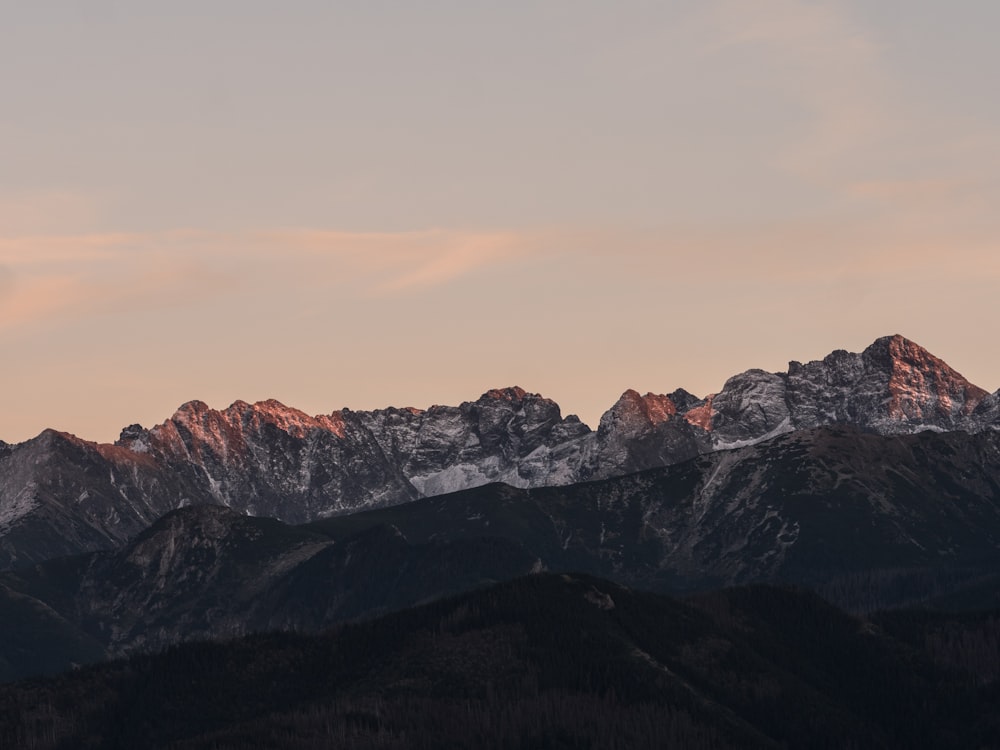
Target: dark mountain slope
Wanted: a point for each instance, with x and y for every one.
(38, 640)
(546, 661)
(869, 521)
(209, 572)
(803, 507)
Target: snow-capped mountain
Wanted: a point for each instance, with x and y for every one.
(60, 494)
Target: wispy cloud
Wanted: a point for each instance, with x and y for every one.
(47, 277)
(459, 256)
(396, 262)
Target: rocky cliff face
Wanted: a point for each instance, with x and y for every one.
(60, 495)
(893, 387)
(270, 460)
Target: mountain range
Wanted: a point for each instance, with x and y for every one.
(61, 495)
(884, 504)
(612, 586)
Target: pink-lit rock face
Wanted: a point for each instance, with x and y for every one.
(515, 393)
(659, 408)
(701, 416)
(195, 427)
(640, 432)
(922, 386)
(640, 412)
(292, 421)
(893, 386)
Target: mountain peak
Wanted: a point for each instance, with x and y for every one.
(190, 409)
(291, 420)
(513, 393)
(896, 338)
(898, 347)
(653, 407)
(920, 383)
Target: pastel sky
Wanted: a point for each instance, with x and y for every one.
(371, 203)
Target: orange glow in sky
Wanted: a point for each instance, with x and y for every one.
(335, 204)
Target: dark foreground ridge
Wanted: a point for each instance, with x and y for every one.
(546, 661)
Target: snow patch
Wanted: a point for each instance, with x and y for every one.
(452, 479)
(781, 429)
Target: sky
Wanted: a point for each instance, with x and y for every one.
(362, 204)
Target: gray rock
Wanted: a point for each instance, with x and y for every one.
(61, 495)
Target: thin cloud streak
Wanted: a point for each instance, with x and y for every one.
(396, 262)
(49, 277)
(463, 255)
(45, 279)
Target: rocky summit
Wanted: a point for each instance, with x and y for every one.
(62, 495)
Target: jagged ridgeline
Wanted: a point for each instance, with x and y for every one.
(61, 495)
